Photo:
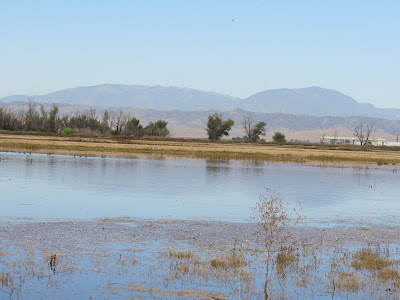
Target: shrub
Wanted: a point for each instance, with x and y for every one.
(370, 259)
(67, 130)
(279, 137)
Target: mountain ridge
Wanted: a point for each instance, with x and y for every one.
(313, 101)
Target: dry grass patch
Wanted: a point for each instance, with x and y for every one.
(228, 260)
(180, 254)
(348, 281)
(186, 294)
(285, 258)
(389, 275)
(371, 260)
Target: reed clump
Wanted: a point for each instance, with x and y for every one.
(348, 281)
(389, 274)
(180, 254)
(228, 260)
(370, 259)
(285, 258)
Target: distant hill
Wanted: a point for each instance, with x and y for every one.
(144, 97)
(312, 101)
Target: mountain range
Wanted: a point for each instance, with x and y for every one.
(312, 101)
(303, 114)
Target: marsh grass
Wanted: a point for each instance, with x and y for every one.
(390, 275)
(349, 282)
(297, 272)
(7, 283)
(230, 260)
(371, 259)
(188, 269)
(180, 254)
(227, 267)
(286, 258)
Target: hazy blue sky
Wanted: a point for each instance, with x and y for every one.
(231, 47)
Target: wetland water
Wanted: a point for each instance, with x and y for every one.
(73, 187)
(90, 249)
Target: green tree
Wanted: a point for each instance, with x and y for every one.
(133, 128)
(53, 119)
(158, 128)
(93, 123)
(216, 127)
(105, 127)
(6, 119)
(279, 137)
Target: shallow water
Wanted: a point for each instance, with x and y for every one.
(73, 187)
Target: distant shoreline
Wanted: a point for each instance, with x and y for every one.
(327, 155)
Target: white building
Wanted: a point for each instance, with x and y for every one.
(350, 140)
(391, 144)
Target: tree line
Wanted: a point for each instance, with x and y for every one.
(217, 127)
(37, 118)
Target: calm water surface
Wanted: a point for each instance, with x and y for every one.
(57, 186)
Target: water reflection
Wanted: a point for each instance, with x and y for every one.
(89, 187)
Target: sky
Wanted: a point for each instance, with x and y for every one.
(231, 47)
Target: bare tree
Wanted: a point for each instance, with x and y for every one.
(252, 129)
(31, 116)
(335, 136)
(277, 226)
(397, 139)
(363, 132)
(119, 120)
(322, 140)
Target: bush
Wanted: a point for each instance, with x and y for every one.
(67, 130)
(279, 137)
(115, 132)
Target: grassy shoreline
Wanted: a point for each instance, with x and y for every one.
(196, 148)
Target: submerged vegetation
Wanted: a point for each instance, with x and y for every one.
(121, 262)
